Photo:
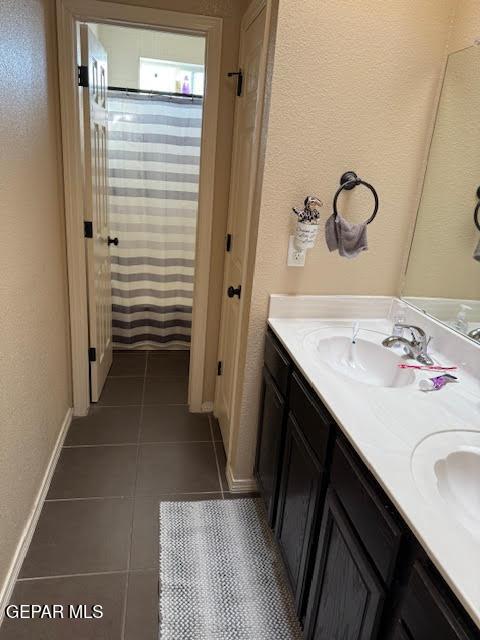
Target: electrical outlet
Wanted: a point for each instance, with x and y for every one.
(295, 258)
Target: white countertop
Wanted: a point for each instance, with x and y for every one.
(385, 425)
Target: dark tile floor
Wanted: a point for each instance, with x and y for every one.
(96, 541)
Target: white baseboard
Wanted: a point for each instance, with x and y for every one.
(240, 485)
(29, 529)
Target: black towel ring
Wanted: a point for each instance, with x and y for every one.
(476, 212)
(350, 180)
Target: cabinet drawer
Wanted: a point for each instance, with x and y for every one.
(376, 527)
(313, 420)
(426, 613)
(277, 362)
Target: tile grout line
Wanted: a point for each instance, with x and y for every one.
(134, 444)
(149, 404)
(114, 572)
(216, 456)
(178, 378)
(139, 404)
(132, 497)
(129, 557)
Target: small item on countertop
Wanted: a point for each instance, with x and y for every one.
(461, 323)
(399, 317)
(433, 384)
(425, 367)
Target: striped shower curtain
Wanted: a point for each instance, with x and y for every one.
(154, 157)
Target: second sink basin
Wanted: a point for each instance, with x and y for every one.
(447, 465)
(363, 361)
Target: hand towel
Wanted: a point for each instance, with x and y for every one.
(350, 239)
(476, 253)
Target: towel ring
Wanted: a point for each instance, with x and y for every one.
(477, 210)
(350, 180)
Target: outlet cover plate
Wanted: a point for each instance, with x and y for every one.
(295, 257)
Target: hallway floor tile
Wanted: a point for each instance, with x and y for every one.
(94, 472)
(106, 425)
(96, 540)
(105, 589)
(80, 536)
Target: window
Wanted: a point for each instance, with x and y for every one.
(172, 77)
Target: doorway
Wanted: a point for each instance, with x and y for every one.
(155, 110)
(142, 128)
(161, 162)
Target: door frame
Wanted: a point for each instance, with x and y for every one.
(253, 10)
(69, 14)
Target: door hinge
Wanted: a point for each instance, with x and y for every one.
(92, 354)
(228, 242)
(82, 75)
(219, 368)
(88, 229)
(239, 75)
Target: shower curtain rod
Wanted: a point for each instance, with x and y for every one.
(168, 94)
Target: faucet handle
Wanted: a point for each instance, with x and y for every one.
(417, 337)
(418, 334)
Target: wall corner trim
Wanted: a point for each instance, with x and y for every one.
(6, 589)
(240, 485)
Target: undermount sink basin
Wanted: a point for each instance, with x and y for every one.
(362, 360)
(446, 466)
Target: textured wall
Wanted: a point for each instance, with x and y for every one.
(231, 11)
(441, 263)
(34, 348)
(354, 90)
(126, 46)
(466, 25)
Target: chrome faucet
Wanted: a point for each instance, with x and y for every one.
(475, 334)
(416, 347)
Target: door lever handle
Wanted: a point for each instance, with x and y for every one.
(231, 291)
(112, 241)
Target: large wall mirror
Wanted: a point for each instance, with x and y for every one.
(443, 273)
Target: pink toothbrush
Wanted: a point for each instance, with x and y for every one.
(431, 367)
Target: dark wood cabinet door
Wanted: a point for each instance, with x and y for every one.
(298, 511)
(346, 597)
(428, 613)
(269, 445)
(400, 633)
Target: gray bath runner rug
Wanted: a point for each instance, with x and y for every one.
(221, 577)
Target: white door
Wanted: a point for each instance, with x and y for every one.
(95, 125)
(245, 152)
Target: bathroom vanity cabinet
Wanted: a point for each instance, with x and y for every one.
(276, 380)
(426, 612)
(355, 568)
(303, 481)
